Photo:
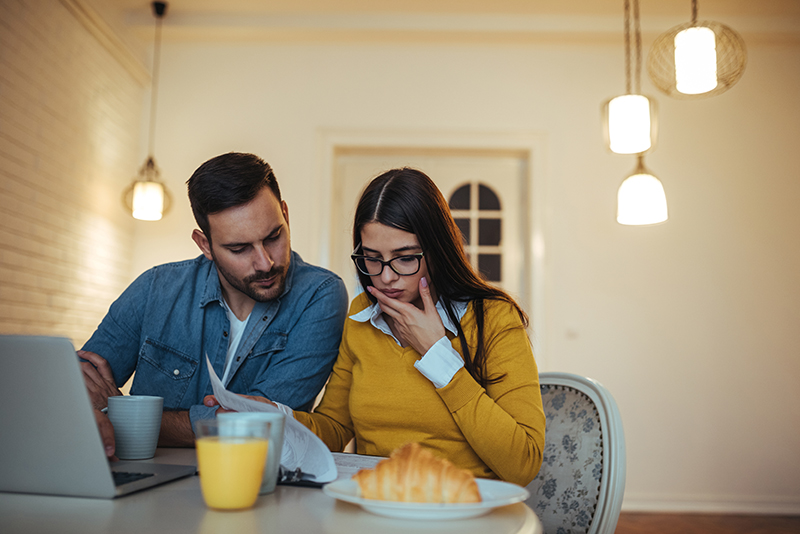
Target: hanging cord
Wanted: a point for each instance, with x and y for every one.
(694, 12)
(158, 8)
(637, 56)
(627, 47)
(638, 47)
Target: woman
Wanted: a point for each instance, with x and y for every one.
(430, 353)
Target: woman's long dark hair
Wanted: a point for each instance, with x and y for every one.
(407, 199)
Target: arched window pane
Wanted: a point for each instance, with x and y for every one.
(463, 225)
(487, 200)
(482, 231)
(489, 267)
(460, 199)
(489, 232)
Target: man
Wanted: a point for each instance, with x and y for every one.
(269, 322)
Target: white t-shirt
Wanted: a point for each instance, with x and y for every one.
(234, 337)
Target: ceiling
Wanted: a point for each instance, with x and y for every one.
(735, 8)
(504, 20)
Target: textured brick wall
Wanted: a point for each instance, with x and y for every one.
(69, 134)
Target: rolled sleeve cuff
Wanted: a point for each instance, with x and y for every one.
(440, 363)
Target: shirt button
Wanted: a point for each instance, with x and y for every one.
(224, 334)
(176, 372)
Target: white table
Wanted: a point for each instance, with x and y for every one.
(178, 507)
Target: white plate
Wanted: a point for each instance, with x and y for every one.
(493, 492)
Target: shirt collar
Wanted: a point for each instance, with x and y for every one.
(213, 290)
(374, 315)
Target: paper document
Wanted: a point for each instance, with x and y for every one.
(301, 447)
(348, 464)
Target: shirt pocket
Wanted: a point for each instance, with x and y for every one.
(264, 355)
(165, 372)
(269, 343)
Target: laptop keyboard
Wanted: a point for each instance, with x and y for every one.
(121, 478)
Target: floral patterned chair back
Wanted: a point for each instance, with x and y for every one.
(580, 486)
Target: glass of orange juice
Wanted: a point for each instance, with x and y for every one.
(231, 456)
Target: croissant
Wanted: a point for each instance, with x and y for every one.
(413, 474)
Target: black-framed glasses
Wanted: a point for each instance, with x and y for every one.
(403, 265)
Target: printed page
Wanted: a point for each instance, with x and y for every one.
(348, 464)
(301, 447)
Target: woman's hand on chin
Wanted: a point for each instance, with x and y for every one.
(419, 328)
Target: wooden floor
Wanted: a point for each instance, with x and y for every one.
(650, 523)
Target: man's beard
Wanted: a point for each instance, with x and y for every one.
(263, 295)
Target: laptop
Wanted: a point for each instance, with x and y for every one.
(49, 442)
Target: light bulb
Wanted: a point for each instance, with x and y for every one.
(148, 201)
(695, 60)
(641, 200)
(629, 124)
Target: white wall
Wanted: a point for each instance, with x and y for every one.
(692, 324)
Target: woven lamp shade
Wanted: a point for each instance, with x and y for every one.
(731, 59)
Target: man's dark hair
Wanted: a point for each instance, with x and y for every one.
(226, 181)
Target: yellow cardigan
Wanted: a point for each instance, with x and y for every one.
(377, 395)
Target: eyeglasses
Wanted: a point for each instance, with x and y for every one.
(402, 265)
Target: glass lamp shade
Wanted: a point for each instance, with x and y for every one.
(629, 121)
(147, 198)
(148, 201)
(695, 61)
(641, 199)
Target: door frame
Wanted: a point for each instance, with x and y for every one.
(532, 144)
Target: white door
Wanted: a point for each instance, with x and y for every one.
(487, 193)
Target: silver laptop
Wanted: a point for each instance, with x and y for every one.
(49, 442)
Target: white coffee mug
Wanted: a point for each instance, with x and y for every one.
(276, 421)
(137, 423)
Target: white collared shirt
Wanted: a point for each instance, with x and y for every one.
(441, 362)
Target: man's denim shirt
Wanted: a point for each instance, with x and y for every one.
(170, 317)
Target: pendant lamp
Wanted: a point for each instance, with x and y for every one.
(630, 119)
(147, 198)
(641, 199)
(697, 59)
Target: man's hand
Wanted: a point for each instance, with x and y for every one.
(98, 379)
(106, 434)
(419, 328)
(211, 400)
